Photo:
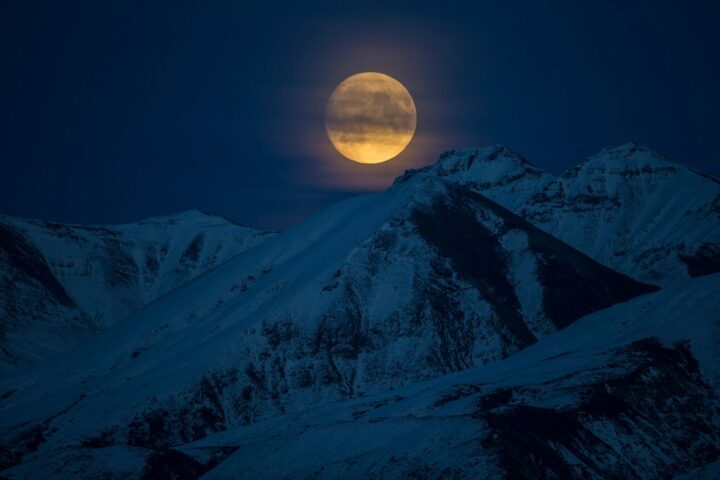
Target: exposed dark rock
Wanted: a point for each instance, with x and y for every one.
(567, 273)
(660, 398)
(476, 254)
(162, 426)
(29, 438)
(27, 260)
(172, 465)
(192, 252)
(101, 440)
(704, 261)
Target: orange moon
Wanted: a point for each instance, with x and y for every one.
(370, 117)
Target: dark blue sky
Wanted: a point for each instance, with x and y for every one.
(115, 111)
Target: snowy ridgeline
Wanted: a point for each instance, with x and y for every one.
(627, 207)
(63, 283)
(375, 294)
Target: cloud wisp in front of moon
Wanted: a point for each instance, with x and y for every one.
(370, 118)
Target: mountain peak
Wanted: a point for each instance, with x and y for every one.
(486, 164)
(192, 215)
(488, 153)
(495, 171)
(627, 159)
(633, 209)
(633, 163)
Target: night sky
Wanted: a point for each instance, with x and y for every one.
(115, 111)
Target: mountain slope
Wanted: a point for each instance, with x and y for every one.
(627, 207)
(628, 392)
(370, 294)
(104, 272)
(618, 394)
(636, 211)
(113, 270)
(33, 300)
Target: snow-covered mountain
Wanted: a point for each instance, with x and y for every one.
(33, 301)
(628, 392)
(496, 172)
(627, 207)
(371, 294)
(637, 212)
(423, 332)
(62, 283)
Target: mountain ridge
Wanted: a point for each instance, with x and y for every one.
(359, 299)
(628, 207)
(428, 281)
(109, 271)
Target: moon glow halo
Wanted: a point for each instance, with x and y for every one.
(370, 117)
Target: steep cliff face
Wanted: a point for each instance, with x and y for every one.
(63, 283)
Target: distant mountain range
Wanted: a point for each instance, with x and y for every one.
(62, 283)
(202, 343)
(627, 207)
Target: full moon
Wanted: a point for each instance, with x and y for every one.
(370, 117)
